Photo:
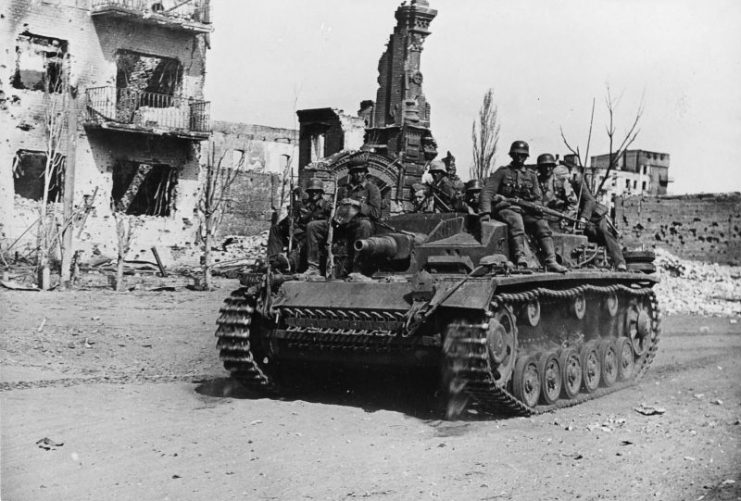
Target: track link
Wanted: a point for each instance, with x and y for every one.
(236, 329)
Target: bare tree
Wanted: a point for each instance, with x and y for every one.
(485, 137)
(219, 179)
(125, 227)
(617, 145)
(56, 107)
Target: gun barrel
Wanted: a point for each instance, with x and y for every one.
(393, 246)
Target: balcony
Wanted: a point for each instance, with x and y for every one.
(132, 110)
(189, 15)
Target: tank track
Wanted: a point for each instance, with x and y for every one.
(471, 377)
(235, 333)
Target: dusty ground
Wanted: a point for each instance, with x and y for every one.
(129, 391)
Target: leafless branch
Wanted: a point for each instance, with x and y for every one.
(485, 137)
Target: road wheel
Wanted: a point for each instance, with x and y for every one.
(526, 381)
(626, 360)
(591, 366)
(550, 378)
(609, 361)
(571, 372)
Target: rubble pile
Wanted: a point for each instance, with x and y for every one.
(697, 288)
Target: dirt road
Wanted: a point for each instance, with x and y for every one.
(128, 390)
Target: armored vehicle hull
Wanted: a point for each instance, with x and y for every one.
(502, 340)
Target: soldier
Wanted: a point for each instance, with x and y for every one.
(421, 201)
(364, 199)
(516, 180)
(443, 191)
(311, 207)
(563, 193)
(470, 202)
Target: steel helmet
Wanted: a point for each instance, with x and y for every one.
(520, 147)
(438, 166)
(473, 185)
(315, 184)
(546, 159)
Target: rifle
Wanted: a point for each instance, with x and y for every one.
(330, 233)
(437, 194)
(537, 208)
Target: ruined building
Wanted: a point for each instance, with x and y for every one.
(396, 126)
(128, 75)
(639, 172)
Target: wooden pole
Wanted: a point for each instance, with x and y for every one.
(69, 194)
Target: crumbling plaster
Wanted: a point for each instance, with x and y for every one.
(92, 45)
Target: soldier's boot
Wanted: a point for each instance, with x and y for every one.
(549, 250)
(312, 271)
(518, 251)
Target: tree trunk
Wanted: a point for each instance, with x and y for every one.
(207, 281)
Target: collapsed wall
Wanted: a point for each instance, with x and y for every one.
(703, 227)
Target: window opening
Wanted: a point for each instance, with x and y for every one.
(143, 189)
(39, 63)
(28, 175)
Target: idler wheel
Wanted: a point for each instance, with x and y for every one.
(532, 313)
(612, 304)
(571, 372)
(638, 328)
(526, 381)
(550, 377)
(609, 359)
(579, 306)
(626, 361)
(591, 366)
(500, 343)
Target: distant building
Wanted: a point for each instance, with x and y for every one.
(638, 172)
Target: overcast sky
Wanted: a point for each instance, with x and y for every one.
(544, 59)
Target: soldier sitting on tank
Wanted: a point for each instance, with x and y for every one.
(517, 181)
(310, 207)
(421, 200)
(441, 188)
(362, 199)
(471, 199)
(572, 196)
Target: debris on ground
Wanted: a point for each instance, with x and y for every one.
(649, 410)
(696, 288)
(48, 444)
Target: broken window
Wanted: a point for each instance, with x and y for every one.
(28, 175)
(142, 74)
(39, 63)
(143, 189)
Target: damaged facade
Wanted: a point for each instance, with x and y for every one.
(138, 126)
(396, 126)
(703, 227)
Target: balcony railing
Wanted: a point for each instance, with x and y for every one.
(148, 111)
(191, 15)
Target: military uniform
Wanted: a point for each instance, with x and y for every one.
(509, 181)
(564, 198)
(361, 226)
(307, 211)
(445, 195)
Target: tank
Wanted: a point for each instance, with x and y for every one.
(439, 293)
